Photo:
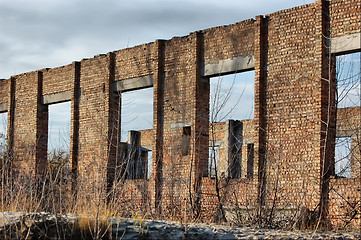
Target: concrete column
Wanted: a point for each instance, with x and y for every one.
(260, 109)
(74, 125)
(233, 146)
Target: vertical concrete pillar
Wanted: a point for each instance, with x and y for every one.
(135, 168)
(158, 129)
(41, 149)
(233, 146)
(11, 114)
(328, 107)
(260, 110)
(74, 124)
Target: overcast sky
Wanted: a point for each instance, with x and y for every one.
(36, 34)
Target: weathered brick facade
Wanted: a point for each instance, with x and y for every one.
(290, 137)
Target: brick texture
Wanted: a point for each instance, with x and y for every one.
(292, 134)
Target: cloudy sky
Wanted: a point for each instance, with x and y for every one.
(35, 34)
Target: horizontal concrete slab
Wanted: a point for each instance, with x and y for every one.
(132, 84)
(3, 107)
(236, 64)
(56, 97)
(346, 133)
(217, 143)
(180, 124)
(347, 43)
(247, 141)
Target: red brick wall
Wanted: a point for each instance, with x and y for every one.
(293, 106)
(345, 17)
(94, 114)
(4, 90)
(58, 79)
(136, 61)
(344, 202)
(229, 41)
(291, 109)
(28, 126)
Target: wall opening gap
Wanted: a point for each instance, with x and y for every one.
(3, 132)
(232, 97)
(59, 130)
(137, 111)
(150, 166)
(348, 77)
(137, 116)
(343, 157)
(348, 99)
(213, 160)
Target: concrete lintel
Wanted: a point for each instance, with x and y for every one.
(346, 133)
(134, 83)
(56, 97)
(180, 125)
(217, 143)
(3, 107)
(346, 43)
(236, 64)
(147, 147)
(247, 141)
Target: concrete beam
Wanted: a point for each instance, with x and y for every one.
(180, 124)
(236, 64)
(56, 97)
(346, 133)
(217, 143)
(346, 43)
(3, 107)
(132, 84)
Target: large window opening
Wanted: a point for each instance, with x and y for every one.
(348, 80)
(348, 99)
(3, 132)
(213, 161)
(59, 130)
(231, 97)
(137, 111)
(137, 115)
(343, 157)
(150, 166)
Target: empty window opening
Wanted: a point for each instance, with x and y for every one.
(343, 157)
(348, 77)
(250, 158)
(59, 129)
(232, 97)
(186, 141)
(213, 160)
(150, 166)
(3, 131)
(137, 111)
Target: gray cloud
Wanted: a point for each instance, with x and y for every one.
(37, 34)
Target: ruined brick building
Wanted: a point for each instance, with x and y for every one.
(285, 155)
